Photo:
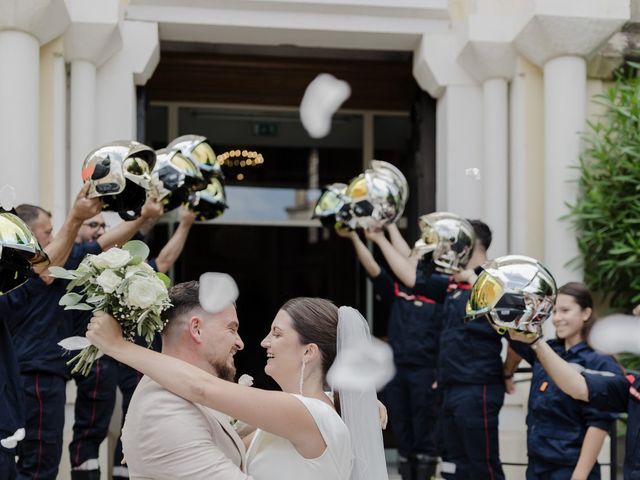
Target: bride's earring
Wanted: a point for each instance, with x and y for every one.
(301, 377)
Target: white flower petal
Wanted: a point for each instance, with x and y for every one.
(366, 366)
(473, 173)
(217, 291)
(12, 441)
(7, 197)
(321, 100)
(616, 334)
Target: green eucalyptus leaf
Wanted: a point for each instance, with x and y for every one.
(80, 306)
(165, 279)
(59, 272)
(136, 248)
(70, 299)
(136, 260)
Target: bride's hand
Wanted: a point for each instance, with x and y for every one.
(104, 332)
(382, 412)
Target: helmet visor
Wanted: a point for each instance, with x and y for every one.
(485, 295)
(138, 171)
(185, 165)
(214, 192)
(358, 189)
(15, 235)
(328, 204)
(203, 153)
(19, 250)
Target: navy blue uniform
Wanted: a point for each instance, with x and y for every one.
(471, 378)
(557, 423)
(12, 414)
(413, 332)
(615, 393)
(36, 328)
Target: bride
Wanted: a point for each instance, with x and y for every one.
(300, 434)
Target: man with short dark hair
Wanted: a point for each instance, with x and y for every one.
(36, 329)
(96, 392)
(166, 437)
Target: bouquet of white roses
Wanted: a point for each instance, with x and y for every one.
(121, 283)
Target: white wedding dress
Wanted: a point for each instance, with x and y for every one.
(275, 458)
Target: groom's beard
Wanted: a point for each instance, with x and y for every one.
(224, 371)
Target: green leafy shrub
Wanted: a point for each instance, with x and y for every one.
(607, 212)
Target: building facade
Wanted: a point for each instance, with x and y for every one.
(506, 88)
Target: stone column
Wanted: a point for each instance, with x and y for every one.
(93, 36)
(458, 126)
(526, 166)
(24, 26)
(117, 79)
(53, 131)
(488, 55)
(558, 36)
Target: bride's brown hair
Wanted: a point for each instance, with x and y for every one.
(315, 320)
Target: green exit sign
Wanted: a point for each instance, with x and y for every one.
(265, 129)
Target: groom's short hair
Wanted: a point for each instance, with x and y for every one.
(185, 298)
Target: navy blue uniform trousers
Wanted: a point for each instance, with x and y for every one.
(40, 452)
(470, 429)
(94, 405)
(7, 465)
(411, 401)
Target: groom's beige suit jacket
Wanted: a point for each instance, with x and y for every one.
(166, 437)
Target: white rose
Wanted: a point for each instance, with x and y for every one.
(144, 292)
(112, 258)
(246, 380)
(109, 281)
(140, 268)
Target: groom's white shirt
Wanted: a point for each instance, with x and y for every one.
(167, 437)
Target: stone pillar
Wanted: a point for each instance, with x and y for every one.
(488, 55)
(526, 166)
(24, 26)
(558, 36)
(53, 131)
(93, 36)
(458, 116)
(132, 65)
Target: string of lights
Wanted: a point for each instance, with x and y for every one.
(240, 158)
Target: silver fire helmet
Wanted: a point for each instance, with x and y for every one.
(210, 202)
(333, 207)
(120, 173)
(19, 251)
(198, 150)
(378, 195)
(446, 240)
(179, 176)
(515, 293)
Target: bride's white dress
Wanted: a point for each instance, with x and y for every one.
(275, 458)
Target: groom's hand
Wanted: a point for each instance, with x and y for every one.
(104, 332)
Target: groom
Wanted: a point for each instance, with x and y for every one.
(167, 437)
